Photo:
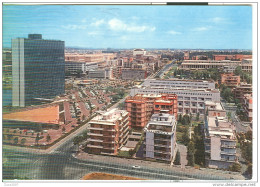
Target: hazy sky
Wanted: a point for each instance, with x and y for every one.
(206, 27)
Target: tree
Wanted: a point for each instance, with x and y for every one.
(190, 154)
(16, 140)
(177, 160)
(190, 158)
(37, 138)
(238, 71)
(198, 116)
(236, 167)
(229, 115)
(131, 152)
(249, 169)
(185, 136)
(180, 119)
(23, 140)
(48, 138)
(186, 119)
(63, 129)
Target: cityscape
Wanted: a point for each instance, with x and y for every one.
(113, 95)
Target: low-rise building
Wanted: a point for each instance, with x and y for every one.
(133, 74)
(214, 109)
(230, 79)
(108, 132)
(219, 64)
(160, 137)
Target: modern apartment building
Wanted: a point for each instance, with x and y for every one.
(166, 104)
(220, 142)
(38, 69)
(241, 90)
(191, 94)
(220, 138)
(108, 132)
(141, 107)
(230, 80)
(160, 137)
(248, 106)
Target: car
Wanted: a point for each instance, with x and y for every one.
(136, 167)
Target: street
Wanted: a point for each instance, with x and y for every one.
(232, 109)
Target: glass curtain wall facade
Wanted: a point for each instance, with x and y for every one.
(38, 69)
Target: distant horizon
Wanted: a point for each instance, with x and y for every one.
(124, 27)
(111, 48)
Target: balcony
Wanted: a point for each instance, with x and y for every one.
(110, 130)
(228, 146)
(109, 148)
(95, 146)
(162, 145)
(225, 153)
(95, 128)
(110, 136)
(94, 140)
(167, 152)
(94, 134)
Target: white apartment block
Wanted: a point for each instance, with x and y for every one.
(160, 137)
(220, 142)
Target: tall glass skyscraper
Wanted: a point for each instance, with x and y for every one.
(38, 69)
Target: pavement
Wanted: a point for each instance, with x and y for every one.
(183, 155)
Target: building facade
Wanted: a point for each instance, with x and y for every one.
(179, 83)
(160, 137)
(38, 69)
(248, 106)
(230, 79)
(219, 137)
(220, 142)
(108, 132)
(241, 90)
(142, 106)
(191, 95)
(225, 65)
(133, 74)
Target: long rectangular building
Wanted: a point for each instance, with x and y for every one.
(226, 65)
(190, 99)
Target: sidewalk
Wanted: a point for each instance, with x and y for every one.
(160, 166)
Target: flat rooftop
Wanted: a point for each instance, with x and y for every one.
(110, 116)
(49, 114)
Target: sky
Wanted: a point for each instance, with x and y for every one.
(111, 26)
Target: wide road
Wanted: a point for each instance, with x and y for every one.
(61, 164)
